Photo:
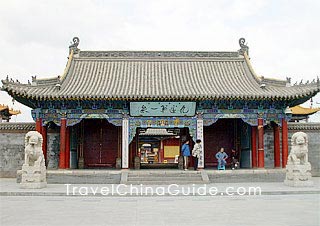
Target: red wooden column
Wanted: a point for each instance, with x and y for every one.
(68, 147)
(62, 160)
(44, 144)
(43, 130)
(254, 146)
(276, 142)
(39, 124)
(260, 144)
(284, 142)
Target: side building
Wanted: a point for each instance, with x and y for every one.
(6, 113)
(112, 107)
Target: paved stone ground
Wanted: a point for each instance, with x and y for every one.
(276, 210)
(9, 187)
(279, 205)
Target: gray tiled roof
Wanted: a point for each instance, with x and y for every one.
(151, 75)
(24, 126)
(303, 126)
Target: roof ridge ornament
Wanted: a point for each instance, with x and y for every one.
(34, 80)
(4, 81)
(288, 81)
(244, 47)
(74, 46)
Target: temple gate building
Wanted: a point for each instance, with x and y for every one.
(113, 107)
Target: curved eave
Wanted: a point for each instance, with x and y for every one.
(39, 93)
(299, 110)
(262, 79)
(295, 99)
(252, 71)
(67, 68)
(14, 112)
(4, 108)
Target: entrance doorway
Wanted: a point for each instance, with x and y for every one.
(228, 134)
(159, 147)
(100, 143)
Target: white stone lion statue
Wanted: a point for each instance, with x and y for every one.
(298, 169)
(299, 149)
(33, 173)
(33, 149)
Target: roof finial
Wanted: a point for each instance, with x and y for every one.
(244, 47)
(74, 45)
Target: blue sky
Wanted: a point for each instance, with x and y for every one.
(283, 35)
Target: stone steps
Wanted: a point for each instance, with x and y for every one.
(82, 179)
(240, 176)
(165, 177)
(161, 176)
(161, 182)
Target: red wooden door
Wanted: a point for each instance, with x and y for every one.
(100, 143)
(220, 134)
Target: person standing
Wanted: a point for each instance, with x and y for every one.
(234, 159)
(185, 153)
(222, 157)
(196, 151)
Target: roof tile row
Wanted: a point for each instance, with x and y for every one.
(159, 75)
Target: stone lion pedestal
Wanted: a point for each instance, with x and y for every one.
(298, 169)
(33, 173)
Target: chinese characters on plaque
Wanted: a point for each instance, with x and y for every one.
(162, 108)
